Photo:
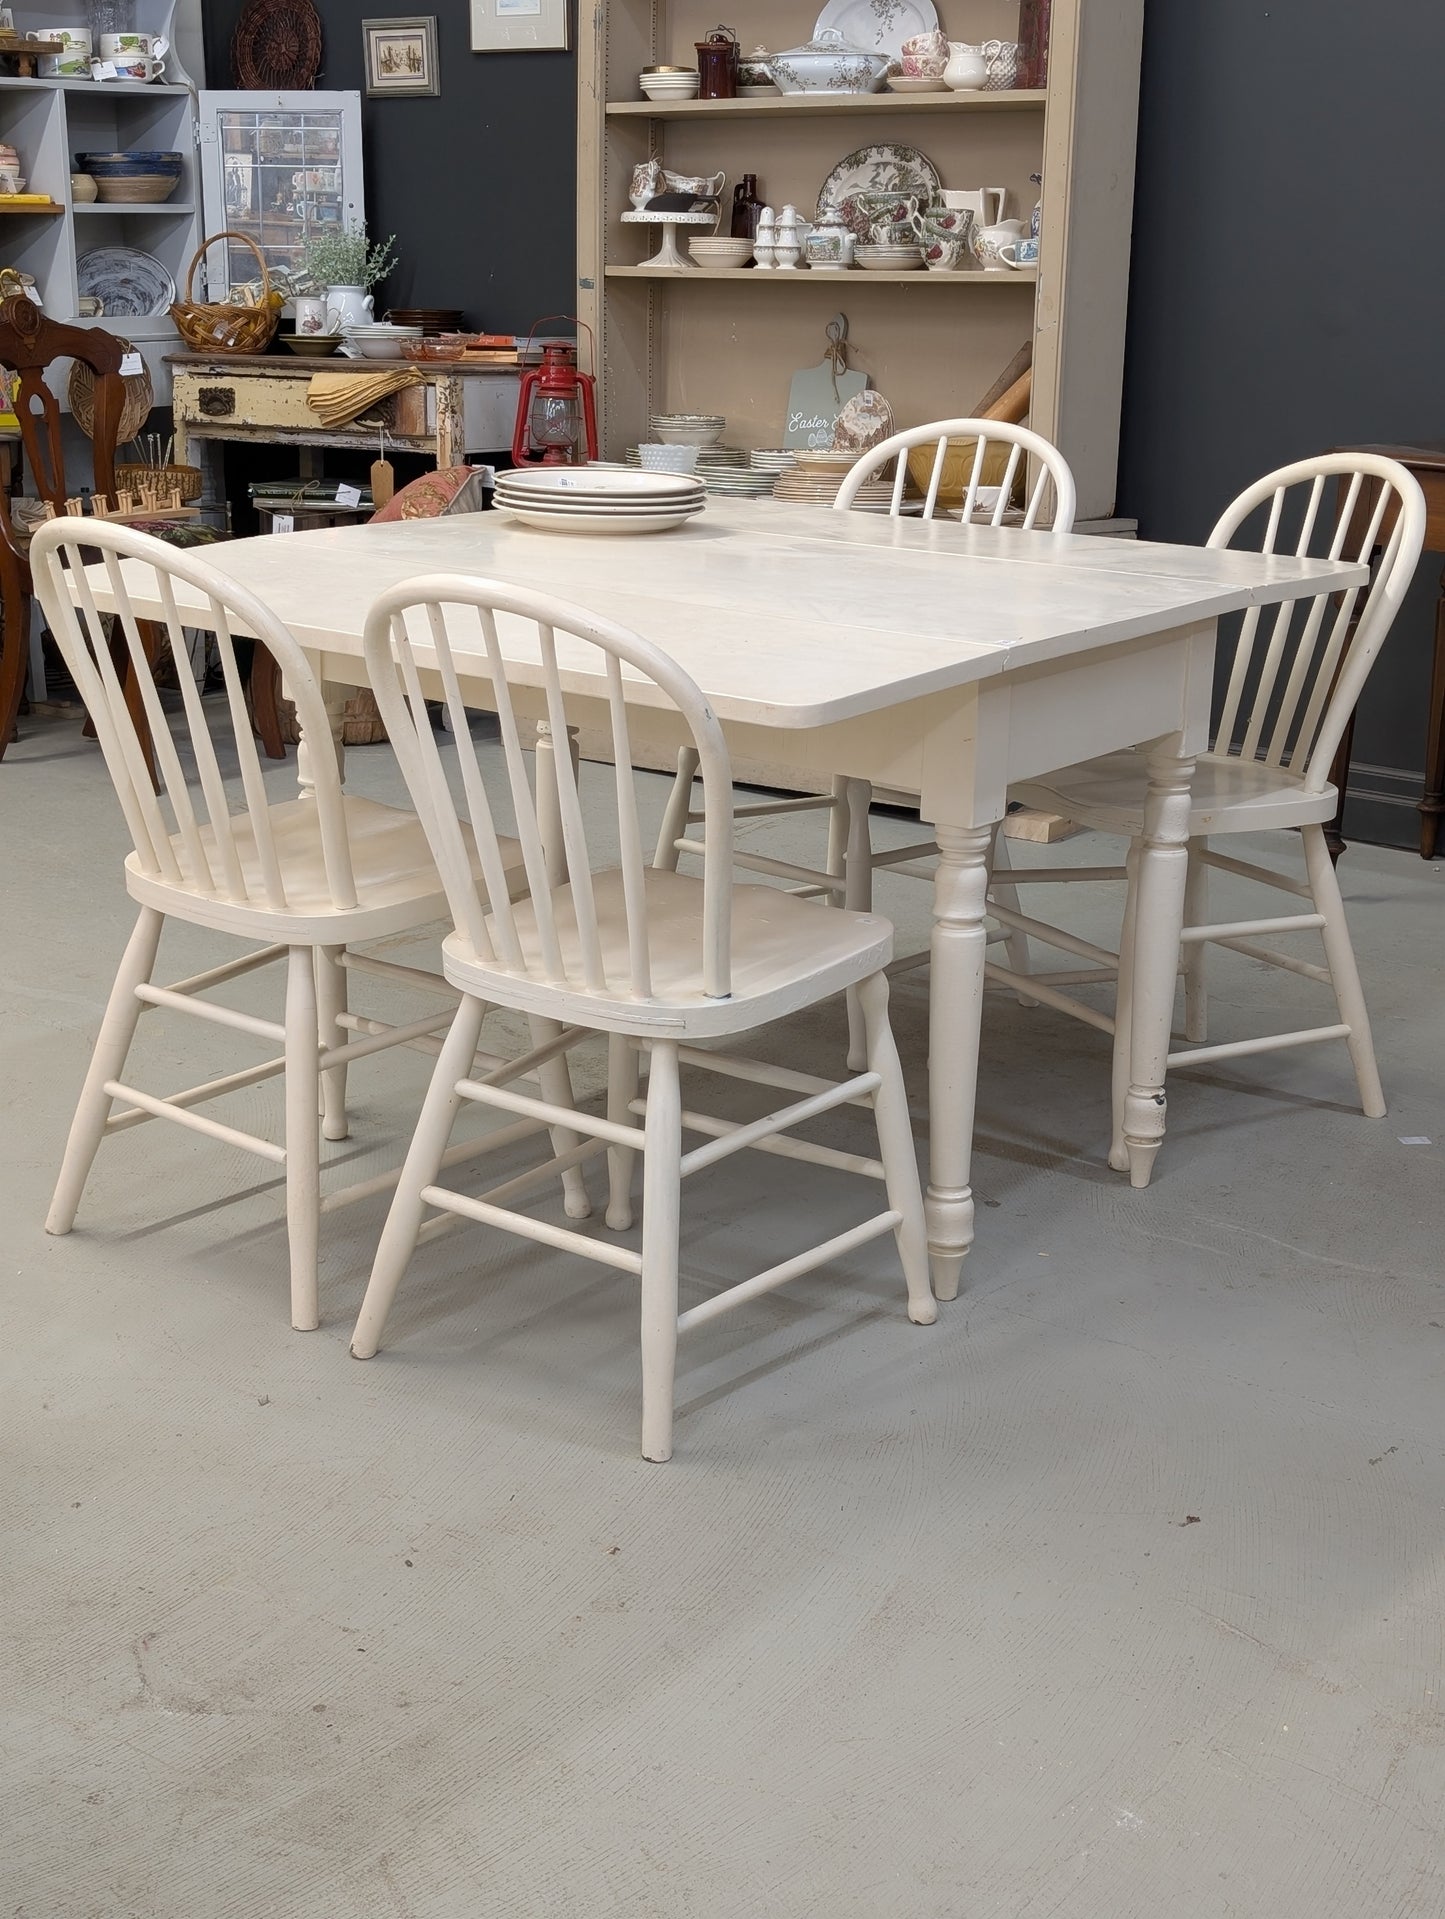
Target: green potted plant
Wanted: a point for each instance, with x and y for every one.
(348, 265)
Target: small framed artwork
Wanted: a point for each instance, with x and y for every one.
(401, 55)
(519, 26)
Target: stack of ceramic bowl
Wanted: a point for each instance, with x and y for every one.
(658, 457)
(134, 178)
(598, 499)
(717, 250)
(889, 259)
(688, 429)
(380, 341)
(816, 478)
(669, 83)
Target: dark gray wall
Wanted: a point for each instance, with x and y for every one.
(1288, 285)
(478, 184)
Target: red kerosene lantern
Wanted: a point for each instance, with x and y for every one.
(557, 406)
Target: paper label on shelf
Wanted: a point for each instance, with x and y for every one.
(283, 522)
(132, 363)
(348, 496)
(505, 7)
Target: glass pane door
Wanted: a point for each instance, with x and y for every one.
(278, 167)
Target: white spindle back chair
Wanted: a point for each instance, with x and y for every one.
(609, 940)
(1053, 477)
(309, 876)
(1296, 674)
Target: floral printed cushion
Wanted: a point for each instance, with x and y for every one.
(451, 489)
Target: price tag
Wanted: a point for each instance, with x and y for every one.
(132, 363)
(348, 496)
(103, 70)
(283, 522)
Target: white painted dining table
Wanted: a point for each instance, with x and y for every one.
(930, 657)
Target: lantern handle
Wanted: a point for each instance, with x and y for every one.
(581, 324)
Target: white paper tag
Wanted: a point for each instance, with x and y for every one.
(283, 522)
(489, 475)
(132, 363)
(103, 70)
(348, 496)
(1414, 1139)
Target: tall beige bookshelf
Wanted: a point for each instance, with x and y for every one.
(728, 341)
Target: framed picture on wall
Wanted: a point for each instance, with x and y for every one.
(519, 26)
(401, 55)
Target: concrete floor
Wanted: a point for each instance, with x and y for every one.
(1116, 1594)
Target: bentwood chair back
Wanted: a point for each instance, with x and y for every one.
(1016, 445)
(607, 939)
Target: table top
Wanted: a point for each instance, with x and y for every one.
(786, 616)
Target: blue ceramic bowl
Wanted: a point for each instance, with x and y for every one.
(117, 166)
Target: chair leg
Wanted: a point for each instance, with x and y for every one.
(674, 814)
(1017, 944)
(331, 985)
(896, 1149)
(303, 1138)
(1344, 974)
(265, 684)
(1196, 913)
(14, 663)
(423, 1162)
(661, 1222)
(117, 1030)
(853, 799)
(1124, 1013)
(622, 1081)
(556, 1082)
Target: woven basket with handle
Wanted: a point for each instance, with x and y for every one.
(225, 328)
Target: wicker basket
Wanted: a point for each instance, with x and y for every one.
(139, 398)
(189, 481)
(224, 328)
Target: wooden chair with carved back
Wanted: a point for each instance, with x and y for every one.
(29, 345)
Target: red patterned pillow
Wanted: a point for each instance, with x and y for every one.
(433, 495)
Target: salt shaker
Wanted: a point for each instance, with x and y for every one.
(788, 247)
(765, 242)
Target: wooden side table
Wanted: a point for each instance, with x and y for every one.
(1427, 463)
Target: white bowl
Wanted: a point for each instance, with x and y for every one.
(681, 88)
(916, 83)
(721, 253)
(688, 435)
(665, 457)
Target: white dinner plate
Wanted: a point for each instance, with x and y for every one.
(558, 521)
(602, 482)
(644, 499)
(880, 25)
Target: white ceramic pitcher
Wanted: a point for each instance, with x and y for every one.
(347, 307)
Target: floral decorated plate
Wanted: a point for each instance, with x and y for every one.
(886, 168)
(880, 25)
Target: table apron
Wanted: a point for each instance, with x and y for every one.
(958, 751)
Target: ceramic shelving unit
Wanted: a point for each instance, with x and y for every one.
(728, 341)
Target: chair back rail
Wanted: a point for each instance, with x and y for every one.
(1299, 667)
(1053, 472)
(193, 779)
(430, 625)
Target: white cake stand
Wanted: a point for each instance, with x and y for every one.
(667, 254)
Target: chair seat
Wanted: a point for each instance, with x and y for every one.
(1228, 795)
(786, 953)
(397, 884)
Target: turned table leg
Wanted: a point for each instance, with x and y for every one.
(960, 945)
(1432, 806)
(1158, 920)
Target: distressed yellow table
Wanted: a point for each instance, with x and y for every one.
(458, 408)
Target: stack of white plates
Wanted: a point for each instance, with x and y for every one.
(598, 499)
(816, 478)
(710, 459)
(772, 459)
(690, 429)
(740, 482)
